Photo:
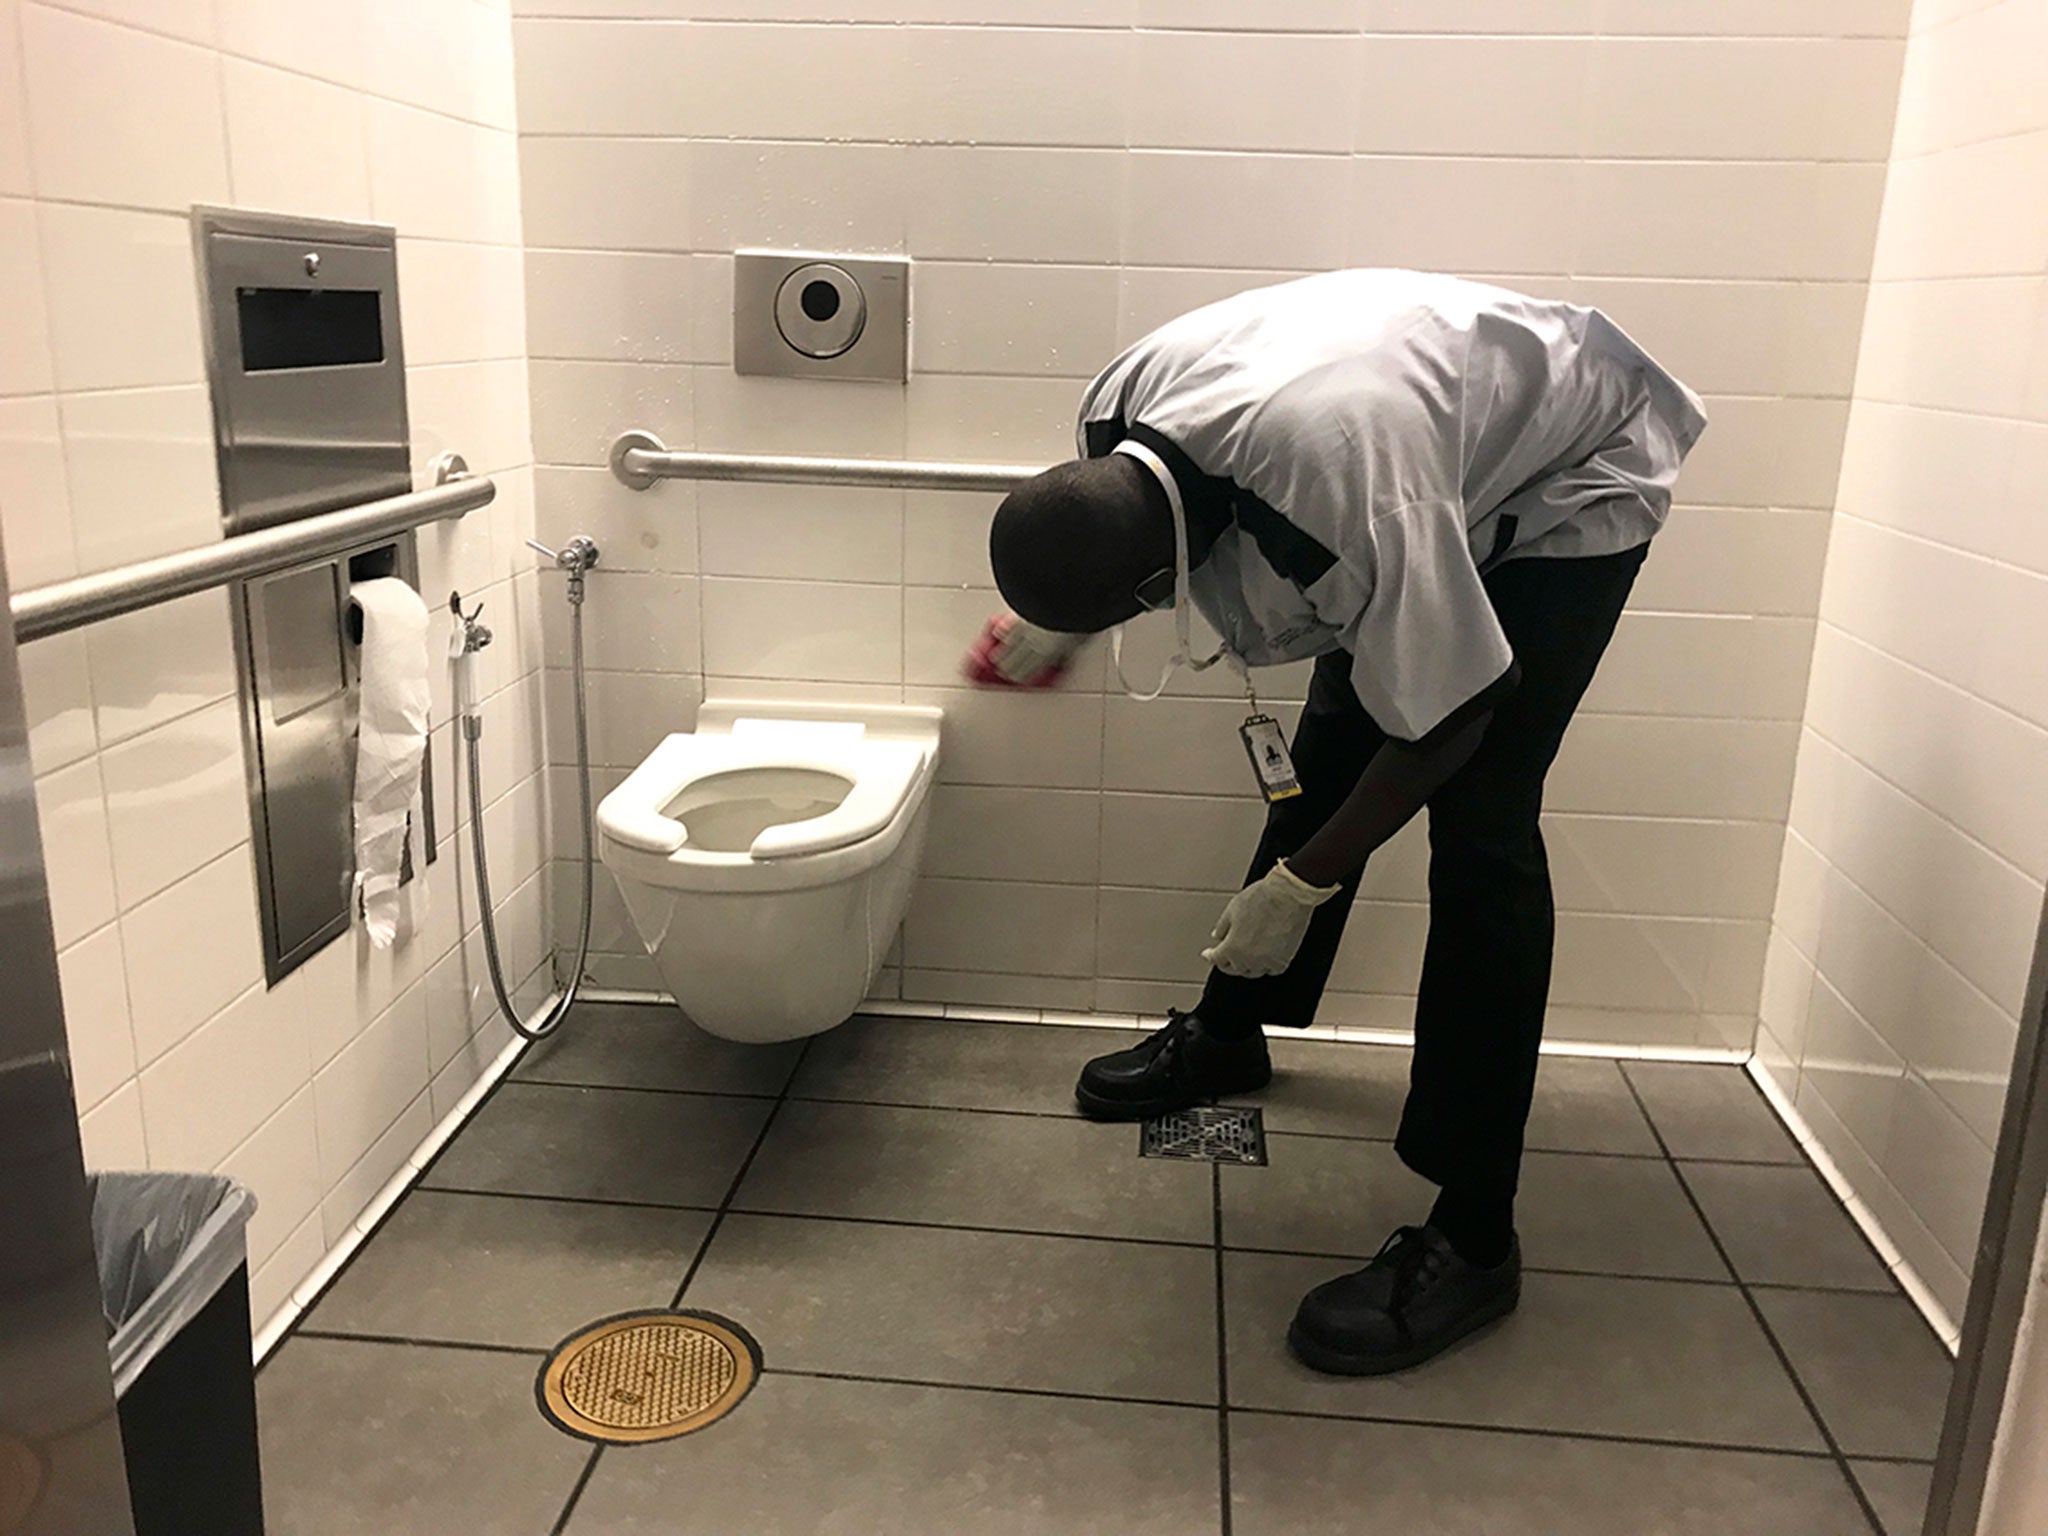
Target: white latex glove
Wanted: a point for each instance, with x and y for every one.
(1262, 927)
(1011, 653)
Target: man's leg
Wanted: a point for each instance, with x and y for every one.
(1485, 982)
(1219, 1049)
(1334, 741)
(1486, 966)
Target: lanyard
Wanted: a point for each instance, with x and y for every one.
(1183, 655)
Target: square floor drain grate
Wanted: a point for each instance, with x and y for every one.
(1208, 1133)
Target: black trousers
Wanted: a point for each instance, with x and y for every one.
(1486, 966)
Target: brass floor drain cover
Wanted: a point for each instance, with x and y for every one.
(648, 1376)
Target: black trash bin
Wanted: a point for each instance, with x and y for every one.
(174, 1281)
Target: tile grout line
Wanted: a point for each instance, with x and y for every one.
(1756, 1311)
(739, 1177)
(576, 1492)
(1222, 1358)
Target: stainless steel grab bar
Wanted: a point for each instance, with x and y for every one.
(64, 605)
(639, 459)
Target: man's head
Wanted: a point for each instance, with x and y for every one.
(1072, 547)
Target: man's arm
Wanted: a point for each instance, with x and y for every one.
(1395, 785)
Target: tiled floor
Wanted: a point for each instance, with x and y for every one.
(981, 1313)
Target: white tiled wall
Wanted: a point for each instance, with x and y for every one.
(116, 116)
(1913, 866)
(1068, 175)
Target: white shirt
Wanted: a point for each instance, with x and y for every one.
(1367, 442)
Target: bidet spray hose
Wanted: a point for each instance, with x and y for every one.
(472, 733)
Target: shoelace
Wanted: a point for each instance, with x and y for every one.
(1416, 1263)
(1172, 1037)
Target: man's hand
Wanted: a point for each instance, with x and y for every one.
(1262, 927)
(1013, 654)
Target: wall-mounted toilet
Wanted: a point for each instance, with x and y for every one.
(767, 857)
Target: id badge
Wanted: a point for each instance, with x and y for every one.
(1272, 765)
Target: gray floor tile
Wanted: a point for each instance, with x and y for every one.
(651, 1045)
(954, 1065)
(966, 1169)
(1324, 1088)
(1659, 1359)
(836, 1458)
(603, 1144)
(1303, 1477)
(408, 1441)
(1606, 1215)
(1878, 1376)
(487, 1269)
(1583, 1105)
(1783, 1226)
(1711, 1111)
(1060, 1314)
(1897, 1490)
(1333, 1089)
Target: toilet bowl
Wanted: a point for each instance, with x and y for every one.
(767, 857)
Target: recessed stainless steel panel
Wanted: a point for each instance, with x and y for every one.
(797, 315)
(307, 363)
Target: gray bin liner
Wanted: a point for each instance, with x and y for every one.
(166, 1242)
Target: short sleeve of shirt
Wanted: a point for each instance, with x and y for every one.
(1427, 643)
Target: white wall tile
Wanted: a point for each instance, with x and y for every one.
(1260, 91)
(1513, 91)
(1179, 842)
(295, 145)
(113, 1135)
(463, 302)
(993, 203)
(479, 410)
(797, 630)
(1032, 740)
(177, 798)
(57, 699)
(1744, 98)
(632, 307)
(1908, 352)
(992, 420)
(191, 950)
(1298, 15)
(1028, 85)
(360, 1093)
(71, 810)
(651, 530)
(974, 317)
(281, 1161)
(1148, 297)
(1465, 215)
(1252, 210)
(211, 1092)
(1735, 560)
(25, 367)
(123, 301)
(1933, 223)
(1704, 664)
(1974, 79)
(1036, 835)
(1700, 219)
(806, 197)
(433, 175)
(142, 475)
(805, 532)
(570, 193)
(96, 1016)
(1739, 338)
(945, 538)
(15, 174)
(315, 37)
(35, 501)
(156, 664)
(137, 82)
(1939, 1166)
(1009, 926)
(737, 414)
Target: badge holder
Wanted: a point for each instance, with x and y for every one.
(1266, 746)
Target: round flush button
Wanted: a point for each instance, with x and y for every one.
(820, 309)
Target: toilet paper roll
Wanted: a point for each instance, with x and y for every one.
(391, 742)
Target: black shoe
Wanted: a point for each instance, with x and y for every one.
(1413, 1301)
(1171, 1068)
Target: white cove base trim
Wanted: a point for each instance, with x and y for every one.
(1944, 1326)
(308, 1290)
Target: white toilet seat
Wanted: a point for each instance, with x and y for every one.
(880, 773)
